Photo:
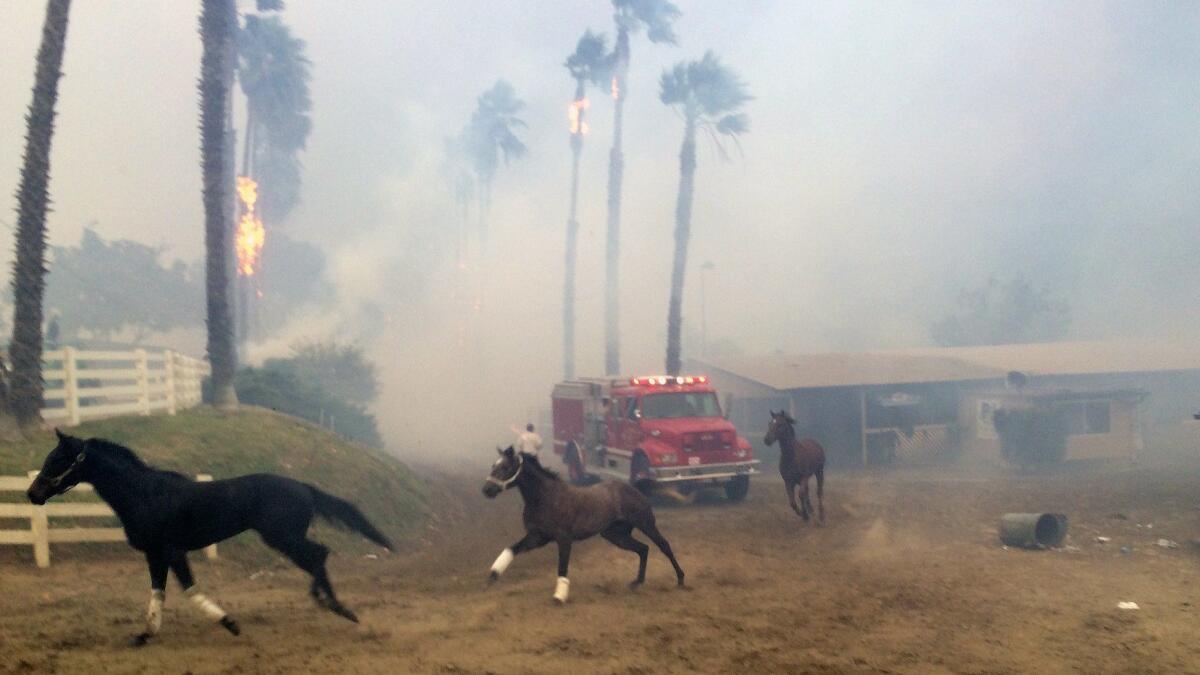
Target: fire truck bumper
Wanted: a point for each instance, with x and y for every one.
(705, 472)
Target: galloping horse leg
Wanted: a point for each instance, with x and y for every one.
(183, 574)
(529, 542)
(620, 535)
(310, 556)
(820, 473)
(563, 587)
(651, 531)
(790, 486)
(805, 498)
(157, 563)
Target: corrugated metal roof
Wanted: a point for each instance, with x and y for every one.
(952, 364)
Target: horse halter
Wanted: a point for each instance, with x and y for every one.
(504, 484)
(57, 480)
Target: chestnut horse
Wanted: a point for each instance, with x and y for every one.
(798, 459)
(556, 511)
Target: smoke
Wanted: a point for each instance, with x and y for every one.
(896, 155)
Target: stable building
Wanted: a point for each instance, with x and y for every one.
(882, 407)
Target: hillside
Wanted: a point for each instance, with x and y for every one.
(253, 440)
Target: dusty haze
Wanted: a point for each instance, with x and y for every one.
(897, 154)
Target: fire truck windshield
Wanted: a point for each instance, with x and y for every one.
(681, 404)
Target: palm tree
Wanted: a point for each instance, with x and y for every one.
(630, 16)
(29, 267)
(588, 65)
(490, 137)
(274, 74)
(708, 97)
(218, 30)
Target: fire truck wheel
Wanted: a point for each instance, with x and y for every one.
(737, 489)
(639, 474)
(574, 462)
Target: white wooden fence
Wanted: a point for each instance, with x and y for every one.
(40, 535)
(83, 384)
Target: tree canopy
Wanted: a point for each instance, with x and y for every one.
(274, 74)
(656, 16)
(491, 135)
(103, 287)
(590, 63)
(1008, 312)
(707, 93)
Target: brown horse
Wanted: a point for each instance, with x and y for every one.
(556, 511)
(798, 459)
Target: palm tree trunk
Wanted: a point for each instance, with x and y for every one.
(572, 237)
(218, 24)
(683, 233)
(616, 173)
(29, 268)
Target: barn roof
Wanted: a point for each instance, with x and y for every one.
(955, 364)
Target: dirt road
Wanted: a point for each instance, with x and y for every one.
(907, 577)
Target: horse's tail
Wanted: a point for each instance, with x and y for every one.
(343, 512)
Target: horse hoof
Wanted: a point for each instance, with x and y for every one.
(230, 625)
(635, 584)
(493, 577)
(140, 640)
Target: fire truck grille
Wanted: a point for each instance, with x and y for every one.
(708, 441)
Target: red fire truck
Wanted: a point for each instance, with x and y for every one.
(647, 430)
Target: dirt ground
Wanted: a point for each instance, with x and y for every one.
(908, 577)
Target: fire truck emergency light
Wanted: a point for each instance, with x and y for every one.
(652, 380)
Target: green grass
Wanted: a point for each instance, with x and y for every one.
(254, 440)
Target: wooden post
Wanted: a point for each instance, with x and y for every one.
(210, 551)
(70, 386)
(39, 529)
(862, 408)
(143, 382)
(169, 380)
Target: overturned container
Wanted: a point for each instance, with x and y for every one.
(1033, 530)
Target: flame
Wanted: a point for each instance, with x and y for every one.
(616, 88)
(250, 233)
(575, 114)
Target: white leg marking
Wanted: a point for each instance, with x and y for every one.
(502, 562)
(211, 609)
(154, 611)
(561, 589)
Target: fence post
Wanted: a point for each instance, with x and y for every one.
(39, 529)
(143, 382)
(210, 551)
(169, 380)
(70, 386)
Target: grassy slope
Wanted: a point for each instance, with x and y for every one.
(254, 440)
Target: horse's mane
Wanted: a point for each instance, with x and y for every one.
(532, 461)
(123, 455)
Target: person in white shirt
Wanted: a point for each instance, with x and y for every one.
(529, 442)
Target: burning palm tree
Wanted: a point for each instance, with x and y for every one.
(589, 64)
(274, 74)
(218, 37)
(29, 268)
(630, 16)
(491, 137)
(708, 97)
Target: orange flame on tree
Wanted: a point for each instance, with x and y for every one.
(250, 233)
(616, 88)
(575, 114)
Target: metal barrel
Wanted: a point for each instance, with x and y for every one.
(1033, 530)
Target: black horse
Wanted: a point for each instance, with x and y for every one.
(556, 511)
(166, 514)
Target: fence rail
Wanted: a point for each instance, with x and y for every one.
(40, 534)
(83, 385)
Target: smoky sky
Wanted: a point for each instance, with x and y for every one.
(898, 152)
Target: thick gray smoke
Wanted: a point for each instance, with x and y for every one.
(897, 154)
